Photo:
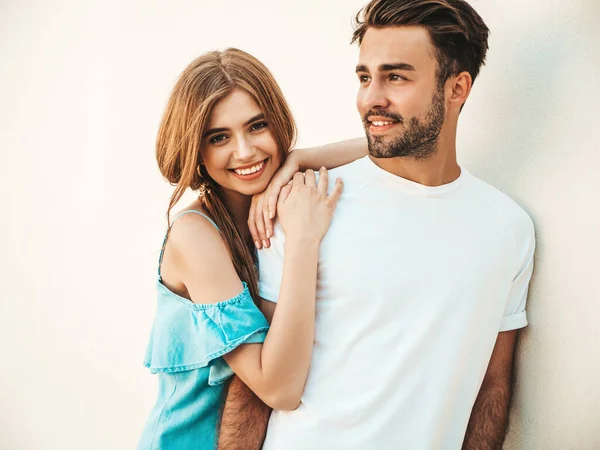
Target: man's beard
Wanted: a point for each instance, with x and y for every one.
(420, 138)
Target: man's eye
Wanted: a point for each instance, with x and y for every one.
(218, 138)
(363, 78)
(258, 126)
(396, 77)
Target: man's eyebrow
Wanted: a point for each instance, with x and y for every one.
(221, 130)
(396, 66)
(387, 67)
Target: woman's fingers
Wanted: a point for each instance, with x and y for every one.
(336, 193)
(298, 180)
(285, 192)
(323, 181)
(267, 219)
(259, 221)
(252, 223)
(280, 179)
(310, 179)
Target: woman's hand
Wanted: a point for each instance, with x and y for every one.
(305, 210)
(262, 211)
(264, 205)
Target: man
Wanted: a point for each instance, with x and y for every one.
(423, 275)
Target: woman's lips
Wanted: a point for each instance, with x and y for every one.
(251, 176)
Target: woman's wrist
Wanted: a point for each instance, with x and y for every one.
(295, 158)
(302, 244)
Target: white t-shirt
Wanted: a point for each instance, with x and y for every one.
(414, 284)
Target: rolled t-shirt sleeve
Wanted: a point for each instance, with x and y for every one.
(270, 266)
(515, 315)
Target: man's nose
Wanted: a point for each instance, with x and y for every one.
(375, 97)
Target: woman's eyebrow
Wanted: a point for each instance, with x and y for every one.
(255, 118)
(220, 130)
(213, 131)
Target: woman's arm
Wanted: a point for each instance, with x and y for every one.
(275, 370)
(330, 156)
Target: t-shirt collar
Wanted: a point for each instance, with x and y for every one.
(411, 186)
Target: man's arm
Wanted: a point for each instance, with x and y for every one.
(245, 416)
(244, 420)
(489, 417)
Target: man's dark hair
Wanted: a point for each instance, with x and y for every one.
(458, 33)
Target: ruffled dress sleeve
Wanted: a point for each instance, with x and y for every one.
(188, 336)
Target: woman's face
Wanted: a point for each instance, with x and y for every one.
(238, 149)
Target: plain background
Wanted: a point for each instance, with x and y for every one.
(82, 89)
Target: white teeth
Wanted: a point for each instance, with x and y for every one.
(252, 169)
(379, 123)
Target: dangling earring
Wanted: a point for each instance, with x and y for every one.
(203, 189)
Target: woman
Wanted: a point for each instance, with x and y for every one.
(225, 132)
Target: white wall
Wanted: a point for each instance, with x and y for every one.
(82, 87)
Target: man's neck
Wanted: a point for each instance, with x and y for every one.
(440, 168)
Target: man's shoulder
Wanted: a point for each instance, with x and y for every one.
(353, 168)
(355, 178)
(353, 175)
(491, 198)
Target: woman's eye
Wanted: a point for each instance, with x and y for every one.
(218, 138)
(258, 126)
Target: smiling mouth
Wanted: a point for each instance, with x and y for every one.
(246, 171)
(381, 123)
(378, 127)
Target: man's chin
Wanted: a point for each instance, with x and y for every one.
(380, 146)
(384, 137)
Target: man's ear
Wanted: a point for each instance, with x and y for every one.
(460, 88)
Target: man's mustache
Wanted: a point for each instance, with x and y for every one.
(387, 115)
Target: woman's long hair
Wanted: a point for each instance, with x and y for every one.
(208, 79)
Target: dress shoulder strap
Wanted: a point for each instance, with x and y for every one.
(195, 212)
(162, 250)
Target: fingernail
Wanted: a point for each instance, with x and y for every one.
(257, 244)
(268, 233)
(265, 244)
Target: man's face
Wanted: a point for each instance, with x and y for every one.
(399, 99)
